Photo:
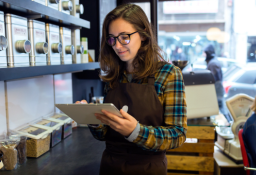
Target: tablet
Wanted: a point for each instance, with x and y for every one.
(84, 113)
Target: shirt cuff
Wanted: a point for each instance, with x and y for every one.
(134, 133)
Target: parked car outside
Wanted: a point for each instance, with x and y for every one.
(240, 79)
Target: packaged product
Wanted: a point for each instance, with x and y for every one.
(9, 154)
(55, 127)
(21, 147)
(38, 140)
(67, 126)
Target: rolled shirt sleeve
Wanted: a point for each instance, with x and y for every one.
(134, 134)
(173, 134)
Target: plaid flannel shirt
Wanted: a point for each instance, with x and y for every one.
(170, 89)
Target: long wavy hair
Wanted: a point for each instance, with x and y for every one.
(148, 56)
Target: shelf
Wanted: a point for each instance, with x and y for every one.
(26, 72)
(34, 10)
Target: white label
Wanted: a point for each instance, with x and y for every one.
(20, 31)
(85, 44)
(78, 41)
(1, 28)
(54, 37)
(40, 34)
(67, 39)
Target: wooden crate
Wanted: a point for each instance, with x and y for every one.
(196, 158)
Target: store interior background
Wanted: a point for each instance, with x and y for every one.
(228, 25)
(175, 31)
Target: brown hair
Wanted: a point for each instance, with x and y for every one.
(253, 107)
(148, 56)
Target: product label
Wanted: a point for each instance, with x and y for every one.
(55, 37)
(1, 28)
(78, 41)
(85, 44)
(39, 34)
(67, 39)
(20, 31)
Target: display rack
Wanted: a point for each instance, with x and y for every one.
(34, 10)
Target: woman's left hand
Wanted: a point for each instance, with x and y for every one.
(124, 126)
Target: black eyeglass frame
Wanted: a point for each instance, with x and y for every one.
(116, 37)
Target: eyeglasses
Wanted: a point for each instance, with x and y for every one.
(124, 39)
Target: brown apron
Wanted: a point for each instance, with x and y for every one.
(122, 157)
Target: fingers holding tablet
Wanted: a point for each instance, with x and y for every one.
(105, 119)
(81, 102)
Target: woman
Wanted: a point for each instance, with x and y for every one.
(152, 89)
(249, 134)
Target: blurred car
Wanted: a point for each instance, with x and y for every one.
(240, 79)
(200, 64)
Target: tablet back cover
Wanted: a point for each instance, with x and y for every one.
(84, 113)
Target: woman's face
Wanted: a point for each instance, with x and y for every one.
(127, 52)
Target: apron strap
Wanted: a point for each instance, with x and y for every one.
(151, 80)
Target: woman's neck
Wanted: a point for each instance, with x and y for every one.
(129, 68)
